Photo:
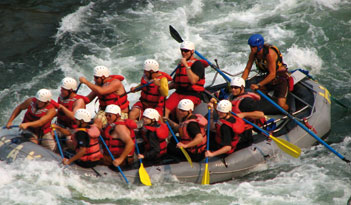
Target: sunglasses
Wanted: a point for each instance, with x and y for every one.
(235, 87)
(184, 50)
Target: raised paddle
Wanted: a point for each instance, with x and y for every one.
(143, 175)
(174, 33)
(284, 145)
(303, 126)
(206, 176)
(119, 168)
(182, 149)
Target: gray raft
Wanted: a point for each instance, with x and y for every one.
(309, 100)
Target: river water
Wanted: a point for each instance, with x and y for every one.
(42, 41)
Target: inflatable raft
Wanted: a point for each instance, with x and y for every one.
(309, 103)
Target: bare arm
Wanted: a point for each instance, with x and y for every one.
(271, 60)
(115, 85)
(77, 105)
(220, 151)
(251, 115)
(248, 67)
(80, 154)
(197, 140)
(24, 105)
(193, 78)
(42, 121)
(123, 134)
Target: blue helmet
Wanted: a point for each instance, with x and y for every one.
(256, 40)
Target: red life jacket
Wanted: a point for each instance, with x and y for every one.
(181, 80)
(115, 145)
(93, 152)
(150, 94)
(113, 98)
(161, 133)
(184, 135)
(236, 103)
(34, 114)
(238, 127)
(62, 118)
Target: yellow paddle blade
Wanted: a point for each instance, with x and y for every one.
(206, 176)
(187, 156)
(287, 147)
(144, 176)
(164, 87)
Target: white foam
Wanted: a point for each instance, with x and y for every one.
(297, 57)
(73, 22)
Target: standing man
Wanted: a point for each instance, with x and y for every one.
(108, 88)
(191, 132)
(154, 94)
(40, 112)
(269, 61)
(189, 79)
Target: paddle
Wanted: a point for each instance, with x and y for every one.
(78, 87)
(58, 142)
(206, 176)
(303, 126)
(284, 145)
(306, 72)
(143, 175)
(140, 87)
(182, 149)
(174, 33)
(119, 168)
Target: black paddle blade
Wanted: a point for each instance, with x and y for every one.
(174, 33)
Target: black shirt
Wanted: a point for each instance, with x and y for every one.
(248, 105)
(198, 69)
(154, 145)
(82, 139)
(227, 133)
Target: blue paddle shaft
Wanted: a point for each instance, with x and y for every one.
(119, 168)
(219, 71)
(302, 126)
(58, 144)
(170, 129)
(138, 152)
(208, 131)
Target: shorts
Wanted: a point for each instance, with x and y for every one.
(173, 100)
(47, 141)
(280, 85)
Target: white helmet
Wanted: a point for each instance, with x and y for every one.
(113, 109)
(224, 106)
(43, 95)
(237, 81)
(69, 83)
(186, 105)
(82, 114)
(151, 114)
(187, 45)
(101, 70)
(151, 65)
